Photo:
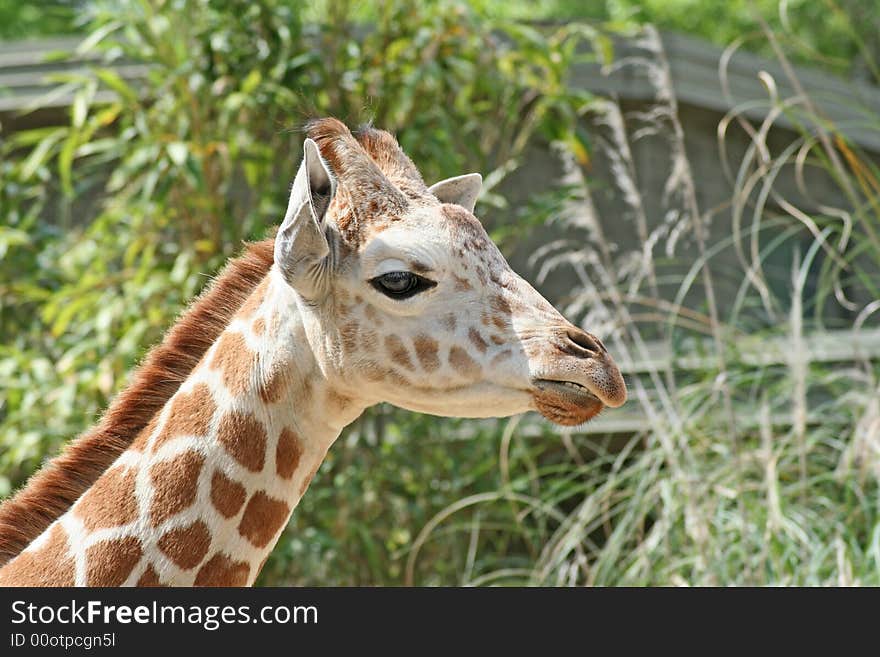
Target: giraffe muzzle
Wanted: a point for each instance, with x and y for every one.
(578, 386)
(565, 402)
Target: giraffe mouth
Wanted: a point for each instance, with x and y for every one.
(565, 402)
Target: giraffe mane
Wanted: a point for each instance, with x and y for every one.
(53, 489)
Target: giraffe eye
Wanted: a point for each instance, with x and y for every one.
(401, 284)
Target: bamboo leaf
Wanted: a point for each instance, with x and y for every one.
(113, 80)
(38, 156)
(97, 36)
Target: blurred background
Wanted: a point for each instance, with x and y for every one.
(696, 181)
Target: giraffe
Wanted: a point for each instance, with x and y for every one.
(375, 288)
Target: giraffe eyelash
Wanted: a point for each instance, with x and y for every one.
(401, 284)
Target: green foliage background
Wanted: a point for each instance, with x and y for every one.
(836, 34)
(111, 222)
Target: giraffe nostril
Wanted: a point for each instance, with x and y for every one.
(585, 341)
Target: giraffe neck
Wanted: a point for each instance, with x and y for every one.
(204, 492)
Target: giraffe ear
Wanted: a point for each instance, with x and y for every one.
(301, 245)
(461, 190)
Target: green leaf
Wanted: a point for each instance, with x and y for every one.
(38, 156)
(69, 311)
(251, 82)
(113, 80)
(11, 237)
(65, 163)
(80, 109)
(95, 37)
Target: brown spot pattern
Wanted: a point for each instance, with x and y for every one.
(372, 315)
(244, 437)
(461, 284)
(368, 340)
(175, 482)
(220, 570)
(500, 305)
(273, 388)
(51, 565)
(190, 414)
(227, 495)
(349, 334)
(259, 326)
(140, 442)
(186, 546)
(263, 517)
(149, 578)
(110, 502)
(427, 352)
(109, 563)
(287, 453)
(378, 372)
(234, 361)
(477, 340)
(335, 400)
(398, 352)
(462, 363)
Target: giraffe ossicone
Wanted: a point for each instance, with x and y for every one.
(376, 288)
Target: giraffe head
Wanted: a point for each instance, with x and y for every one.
(405, 298)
